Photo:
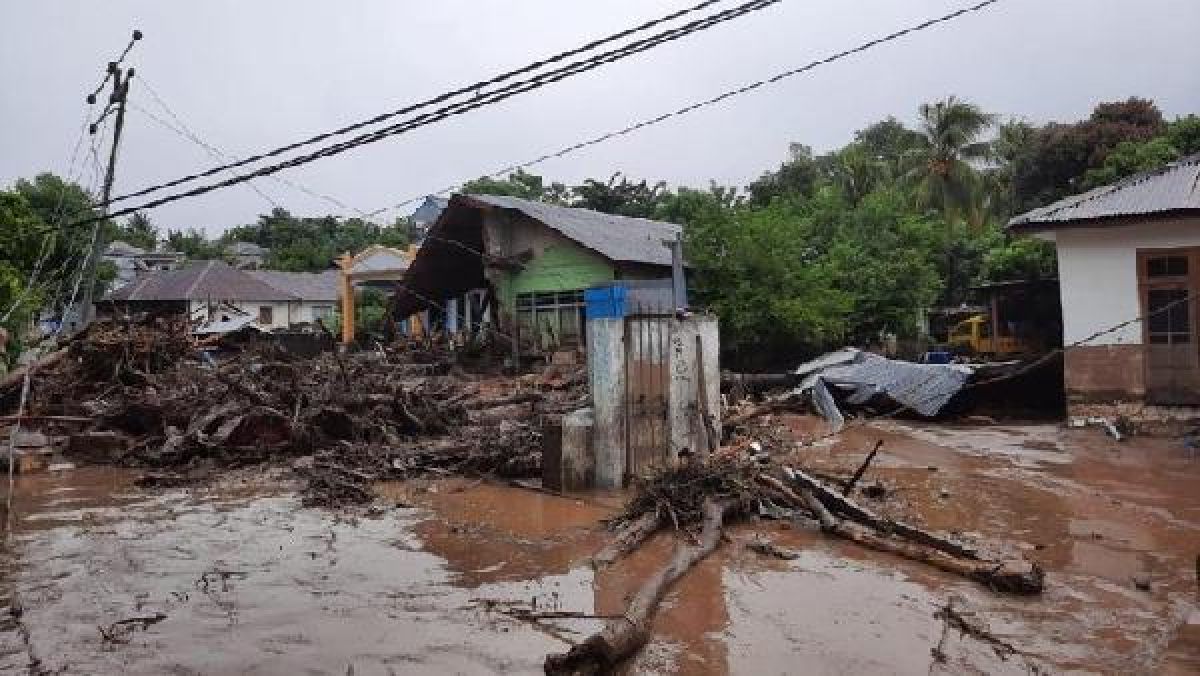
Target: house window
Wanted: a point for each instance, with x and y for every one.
(1166, 266)
(266, 315)
(322, 312)
(550, 320)
(1167, 320)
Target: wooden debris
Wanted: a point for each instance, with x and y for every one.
(622, 637)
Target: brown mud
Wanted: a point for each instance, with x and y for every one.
(251, 582)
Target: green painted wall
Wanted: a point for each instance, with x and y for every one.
(562, 266)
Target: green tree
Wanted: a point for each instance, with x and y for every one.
(518, 184)
(943, 166)
(137, 230)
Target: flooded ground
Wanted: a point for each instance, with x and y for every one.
(238, 578)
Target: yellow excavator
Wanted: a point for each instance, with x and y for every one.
(973, 336)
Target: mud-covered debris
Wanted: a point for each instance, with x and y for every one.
(155, 402)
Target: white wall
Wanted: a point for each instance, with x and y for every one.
(1097, 270)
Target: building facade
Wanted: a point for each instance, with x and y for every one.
(525, 266)
(1129, 275)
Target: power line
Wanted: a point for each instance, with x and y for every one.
(474, 87)
(711, 101)
(181, 128)
(210, 150)
(506, 92)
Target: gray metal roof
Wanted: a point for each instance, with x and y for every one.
(1173, 188)
(318, 286)
(618, 238)
(204, 280)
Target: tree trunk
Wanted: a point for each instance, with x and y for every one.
(628, 539)
(621, 638)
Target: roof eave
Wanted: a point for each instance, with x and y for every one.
(1033, 227)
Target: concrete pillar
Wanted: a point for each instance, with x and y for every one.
(567, 460)
(694, 398)
(606, 377)
(452, 315)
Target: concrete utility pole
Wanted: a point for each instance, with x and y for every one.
(116, 101)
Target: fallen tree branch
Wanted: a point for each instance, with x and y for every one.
(522, 398)
(847, 508)
(1016, 576)
(621, 638)
(628, 538)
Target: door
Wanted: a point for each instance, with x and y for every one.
(647, 385)
(1168, 289)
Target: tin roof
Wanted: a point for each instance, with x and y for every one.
(618, 238)
(203, 280)
(1170, 189)
(320, 286)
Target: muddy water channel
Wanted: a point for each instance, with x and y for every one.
(236, 577)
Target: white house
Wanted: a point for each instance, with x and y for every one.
(214, 291)
(1129, 273)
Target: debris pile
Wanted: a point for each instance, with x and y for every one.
(150, 400)
(700, 498)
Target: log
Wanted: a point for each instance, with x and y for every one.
(619, 639)
(1016, 576)
(523, 398)
(628, 539)
(76, 419)
(847, 508)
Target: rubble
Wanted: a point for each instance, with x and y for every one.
(149, 399)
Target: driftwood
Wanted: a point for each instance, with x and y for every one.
(76, 419)
(629, 538)
(523, 398)
(1016, 576)
(622, 637)
(847, 508)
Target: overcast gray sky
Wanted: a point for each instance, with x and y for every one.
(246, 76)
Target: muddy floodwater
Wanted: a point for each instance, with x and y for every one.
(102, 577)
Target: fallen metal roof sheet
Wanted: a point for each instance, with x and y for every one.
(922, 388)
(204, 280)
(1169, 189)
(618, 238)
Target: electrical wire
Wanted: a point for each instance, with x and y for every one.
(457, 109)
(474, 87)
(181, 128)
(649, 122)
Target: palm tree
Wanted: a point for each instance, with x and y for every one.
(943, 165)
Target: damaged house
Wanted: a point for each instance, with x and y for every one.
(1129, 272)
(214, 291)
(525, 265)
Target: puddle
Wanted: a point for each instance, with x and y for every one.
(252, 583)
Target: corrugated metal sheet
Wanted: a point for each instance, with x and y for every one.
(205, 280)
(321, 286)
(1175, 187)
(618, 238)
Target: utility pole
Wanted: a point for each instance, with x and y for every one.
(120, 79)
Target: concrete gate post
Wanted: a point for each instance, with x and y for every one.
(606, 375)
(694, 401)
